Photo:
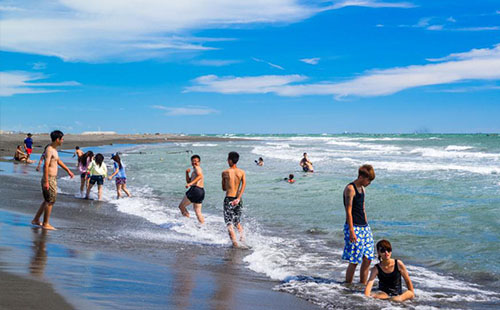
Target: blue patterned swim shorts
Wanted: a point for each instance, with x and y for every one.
(354, 252)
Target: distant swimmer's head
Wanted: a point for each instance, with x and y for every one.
(305, 154)
(57, 136)
(232, 158)
(366, 174)
(261, 159)
(77, 147)
(195, 160)
(291, 176)
(99, 158)
(384, 249)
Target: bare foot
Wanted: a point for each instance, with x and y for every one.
(36, 223)
(235, 245)
(48, 227)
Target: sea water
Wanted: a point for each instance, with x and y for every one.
(436, 198)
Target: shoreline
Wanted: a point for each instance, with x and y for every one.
(118, 270)
(9, 142)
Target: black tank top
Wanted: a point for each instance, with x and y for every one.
(390, 282)
(358, 212)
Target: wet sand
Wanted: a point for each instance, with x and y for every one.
(94, 261)
(9, 142)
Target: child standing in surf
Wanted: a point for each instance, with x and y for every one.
(357, 233)
(97, 171)
(121, 177)
(389, 272)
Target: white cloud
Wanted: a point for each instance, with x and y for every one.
(481, 64)
(311, 61)
(451, 19)
(215, 62)
(128, 30)
(39, 66)
(435, 27)
(379, 25)
(268, 63)
(488, 28)
(20, 82)
(250, 85)
(185, 111)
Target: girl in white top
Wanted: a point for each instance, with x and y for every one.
(97, 171)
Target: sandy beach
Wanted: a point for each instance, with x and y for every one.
(93, 262)
(9, 142)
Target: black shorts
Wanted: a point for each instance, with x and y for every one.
(96, 179)
(232, 214)
(195, 194)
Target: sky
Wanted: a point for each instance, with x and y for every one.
(260, 66)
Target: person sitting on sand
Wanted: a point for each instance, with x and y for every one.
(290, 178)
(49, 180)
(233, 183)
(196, 192)
(121, 176)
(83, 163)
(389, 272)
(97, 171)
(260, 161)
(306, 165)
(20, 155)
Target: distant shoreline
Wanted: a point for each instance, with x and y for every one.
(9, 142)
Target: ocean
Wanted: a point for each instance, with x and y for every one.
(436, 198)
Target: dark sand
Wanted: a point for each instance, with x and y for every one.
(94, 262)
(9, 142)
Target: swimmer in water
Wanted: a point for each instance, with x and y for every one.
(290, 179)
(260, 162)
(389, 272)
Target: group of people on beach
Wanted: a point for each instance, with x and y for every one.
(92, 170)
(24, 157)
(359, 245)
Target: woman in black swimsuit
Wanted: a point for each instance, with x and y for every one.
(389, 272)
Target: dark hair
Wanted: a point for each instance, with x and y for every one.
(384, 244)
(99, 159)
(304, 154)
(116, 158)
(18, 146)
(77, 147)
(367, 172)
(85, 157)
(291, 176)
(233, 157)
(29, 134)
(56, 134)
(261, 159)
(195, 156)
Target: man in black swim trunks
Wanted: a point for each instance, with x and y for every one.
(233, 183)
(196, 192)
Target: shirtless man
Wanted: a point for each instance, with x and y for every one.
(306, 164)
(233, 183)
(78, 153)
(196, 192)
(49, 181)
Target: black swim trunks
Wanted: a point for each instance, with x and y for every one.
(305, 168)
(232, 214)
(195, 194)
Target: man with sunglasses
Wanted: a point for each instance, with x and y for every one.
(357, 233)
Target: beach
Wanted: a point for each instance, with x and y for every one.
(140, 252)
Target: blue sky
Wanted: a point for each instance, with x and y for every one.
(274, 66)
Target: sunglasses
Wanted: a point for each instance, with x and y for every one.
(383, 250)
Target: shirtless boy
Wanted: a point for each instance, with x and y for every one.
(49, 181)
(358, 236)
(233, 183)
(196, 192)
